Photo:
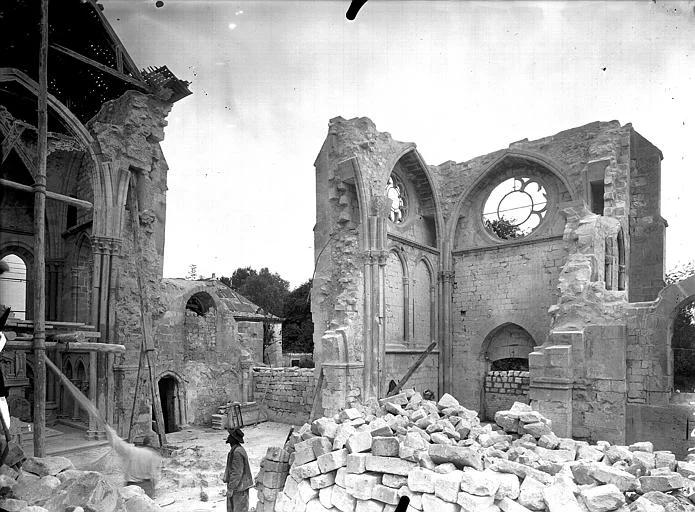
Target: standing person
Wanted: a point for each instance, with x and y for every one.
(237, 474)
(140, 464)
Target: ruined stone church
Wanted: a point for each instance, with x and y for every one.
(538, 269)
(106, 176)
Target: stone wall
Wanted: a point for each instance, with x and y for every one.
(398, 362)
(285, 393)
(513, 284)
(502, 389)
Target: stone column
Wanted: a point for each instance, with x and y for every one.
(407, 327)
(446, 278)
(92, 431)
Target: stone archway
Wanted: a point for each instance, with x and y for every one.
(505, 350)
(173, 400)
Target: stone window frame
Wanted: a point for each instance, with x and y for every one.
(404, 194)
(403, 259)
(523, 173)
(432, 297)
(614, 267)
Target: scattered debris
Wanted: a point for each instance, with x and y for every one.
(442, 458)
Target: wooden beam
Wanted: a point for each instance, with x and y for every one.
(78, 346)
(99, 66)
(50, 195)
(39, 342)
(11, 139)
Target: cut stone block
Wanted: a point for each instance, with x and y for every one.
(611, 475)
(508, 486)
(314, 505)
(473, 503)
(356, 462)
(560, 498)
(323, 480)
(325, 496)
(663, 483)
(399, 399)
(306, 492)
(304, 456)
(385, 494)
(341, 500)
(305, 470)
(332, 460)
(642, 446)
(432, 503)
(508, 505)
(603, 498)
(518, 469)
(537, 429)
(531, 494)
(360, 485)
(414, 497)
(460, 456)
(480, 483)
(342, 434)
(643, 504)
(394, 481)
(664, 459)
(391, 465)
(350, 414)
(340, 477)
(369, 506)
(421, 480)
(448, 485)
(359, 442)
(385, 446)
(277, 454)
(447, 401)
(321, 445)
(325, 427)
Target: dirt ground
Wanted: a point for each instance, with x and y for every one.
(191, 477)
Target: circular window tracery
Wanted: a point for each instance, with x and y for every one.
(395, 191)
(515, 208)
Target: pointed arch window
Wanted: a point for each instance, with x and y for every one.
(396, 192)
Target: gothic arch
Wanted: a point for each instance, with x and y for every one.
(508, 340)
(178, 402)
(553, 167)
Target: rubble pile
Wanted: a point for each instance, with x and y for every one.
(52, 484)
(443, 459)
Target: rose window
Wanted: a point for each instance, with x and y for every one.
(515, 208)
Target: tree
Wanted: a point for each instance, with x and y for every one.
(265, 289)
(298, 327)
(503, 228)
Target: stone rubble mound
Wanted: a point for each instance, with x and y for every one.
(440, 456)
(52, 484)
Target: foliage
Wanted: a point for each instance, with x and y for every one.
(298, 327)
(265, 289)
(503, 228)
(192, 272)
(680, 272)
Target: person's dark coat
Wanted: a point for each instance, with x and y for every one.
(237, 474)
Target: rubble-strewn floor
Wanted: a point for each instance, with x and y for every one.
(196, 467)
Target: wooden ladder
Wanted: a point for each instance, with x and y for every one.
(147, 347)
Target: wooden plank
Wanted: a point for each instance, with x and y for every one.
(412, 369)
(78, 346)
(50, 195)
(317, 392)
(40, 245)
(102, 67)
(146, 320)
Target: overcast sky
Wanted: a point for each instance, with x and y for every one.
(460, 79)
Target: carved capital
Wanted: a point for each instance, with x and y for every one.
(106, 245)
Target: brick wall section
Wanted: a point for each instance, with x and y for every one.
(503, 388)
(510, 284)
(285, 393)
(200, 331)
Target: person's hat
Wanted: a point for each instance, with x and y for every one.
(236, 434)
(4, 267)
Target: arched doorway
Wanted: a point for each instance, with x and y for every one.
(505, 350)
(13, 286)
(169, 397)
(683, 346)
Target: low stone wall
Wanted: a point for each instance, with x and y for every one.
(287, 394)
(503, 388)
